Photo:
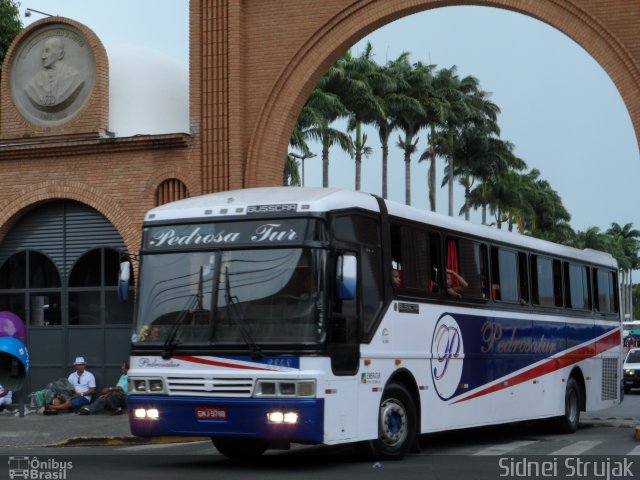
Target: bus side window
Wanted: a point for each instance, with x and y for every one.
(468, 259)
(542, 283)
(509, 276)
(577, 286)
(415, 255)
(605, 283)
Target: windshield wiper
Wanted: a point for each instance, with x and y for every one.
(171, 343)
(232, 304)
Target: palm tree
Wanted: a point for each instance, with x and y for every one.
(626, 241)
(437, 107)
(359, 82)
(487, 159)
(481, 157)
(291, 177)
(416, 80)
(394, 99)
(314, 123)
(468, 105)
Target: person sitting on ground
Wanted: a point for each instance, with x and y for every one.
(112, 398)
(5, 397)
(455, 288)
(84, 384)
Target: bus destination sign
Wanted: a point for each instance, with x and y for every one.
(236, 233)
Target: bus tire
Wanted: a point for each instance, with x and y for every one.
(568, 423)
(240, 448)
(397, 424)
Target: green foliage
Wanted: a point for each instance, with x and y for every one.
(636, 300)
(10, 25)
(462, 128)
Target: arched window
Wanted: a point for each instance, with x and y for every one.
(93, 290)
(30, 288)
(171, 190)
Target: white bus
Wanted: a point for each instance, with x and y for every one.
(268, 317)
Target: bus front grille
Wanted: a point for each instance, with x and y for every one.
(210, 386)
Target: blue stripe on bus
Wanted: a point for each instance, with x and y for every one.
(245, 418)
(496, 347)
(276, 361)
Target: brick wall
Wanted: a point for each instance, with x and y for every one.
(252, 65)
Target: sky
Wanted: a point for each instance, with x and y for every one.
(559, 107)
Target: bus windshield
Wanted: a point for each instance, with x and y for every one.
(266, 296)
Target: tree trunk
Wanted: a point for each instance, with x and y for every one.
(407, 175)
(385, 159)
(359, 148)
(467, 208)
(431, 181)
(325, 166)
(450, 174)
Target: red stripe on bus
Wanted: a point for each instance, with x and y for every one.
(220, 364)
(601, 345)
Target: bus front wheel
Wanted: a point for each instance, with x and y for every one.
(568, 423)
(239, 449)
(397, 424)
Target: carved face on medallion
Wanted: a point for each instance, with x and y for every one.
(52, 75)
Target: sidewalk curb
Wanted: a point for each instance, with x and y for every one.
(117, 441)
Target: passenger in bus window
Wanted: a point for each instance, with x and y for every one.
(396, 278)
(455, 283)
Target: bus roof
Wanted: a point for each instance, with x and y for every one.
(234, 203)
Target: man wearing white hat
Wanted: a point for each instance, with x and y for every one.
(84, 384)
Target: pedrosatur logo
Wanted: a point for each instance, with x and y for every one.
(35, 469)
(447, 351)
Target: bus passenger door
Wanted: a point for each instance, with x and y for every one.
(343, 331)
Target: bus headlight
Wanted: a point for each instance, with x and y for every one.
(146, 385)
(282, 417)
(285, 388)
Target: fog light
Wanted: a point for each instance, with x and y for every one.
(291, 417)
(275, 417)
(153, 413)
(139, 413)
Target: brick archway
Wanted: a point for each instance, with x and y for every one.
(43, 192)
(276, 76)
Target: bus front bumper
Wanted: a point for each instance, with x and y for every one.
(157, 415)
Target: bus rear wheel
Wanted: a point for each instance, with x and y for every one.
(568, 423)
(240, 448)
(397, 424)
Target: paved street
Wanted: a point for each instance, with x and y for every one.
(606, 436)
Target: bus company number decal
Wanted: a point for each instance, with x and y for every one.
(447, 356)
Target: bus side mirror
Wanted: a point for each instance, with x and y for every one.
(123, 281)
(347, 277)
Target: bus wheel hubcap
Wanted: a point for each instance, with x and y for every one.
(393, 422)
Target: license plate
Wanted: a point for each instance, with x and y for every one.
(211, 413)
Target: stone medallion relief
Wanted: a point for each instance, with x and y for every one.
(52, 75)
